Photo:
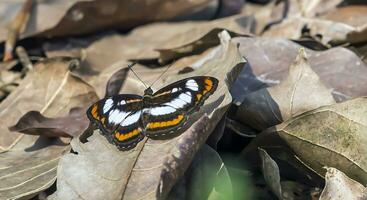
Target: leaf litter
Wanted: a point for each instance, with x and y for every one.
(134, 165)
(303, 110)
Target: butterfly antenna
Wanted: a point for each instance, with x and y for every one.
(130, 66)
(160, 76)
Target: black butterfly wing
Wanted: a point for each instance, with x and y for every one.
(118, 117)
(170, 106)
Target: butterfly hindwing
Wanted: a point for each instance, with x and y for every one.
(170, 106)
(118, 117)
(129, 132)
(126, 118)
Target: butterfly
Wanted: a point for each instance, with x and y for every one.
(125, 119)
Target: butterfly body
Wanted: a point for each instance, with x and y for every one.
(126, 118)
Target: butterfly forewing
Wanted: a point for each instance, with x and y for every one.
(118, 117)
(170, 106)
(125, 119)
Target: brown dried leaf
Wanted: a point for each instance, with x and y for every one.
(338, 68)
(149, 170)
(332, 135)
(75, 17)
(271, 173)
(338, 186)
(34, 123)
(53, 91)
(329, 30)
(312, 8)
(111, 50)
(28, 162)
(299, 92)
(43, 15)
(24, 173)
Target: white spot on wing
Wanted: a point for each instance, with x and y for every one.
(176, 103)
(174, 90)
(107, 105)
(162, 110)
(116, 116)
(185, 97)
(131, 119)
(192, 85)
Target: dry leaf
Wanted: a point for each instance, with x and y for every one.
(332, 135)
(60, 18)
(24, 173)
(34, 123)
(150, 170)
(312, 8)
(28, 163)
(176, 35)
(338, 68)
(338, 186)
(329, 30)
(299, 92)
(271, 173)
(53, 91)
(108, 50)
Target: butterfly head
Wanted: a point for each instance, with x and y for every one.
(148, 92)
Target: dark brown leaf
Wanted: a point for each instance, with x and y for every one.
(34, 123)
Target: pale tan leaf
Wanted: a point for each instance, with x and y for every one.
(332, 135)
(299, 92)
(329, 30)
(338, 186)
(28, 163)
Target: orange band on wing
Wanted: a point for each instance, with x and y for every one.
(208, 85)
(94, 112)
(125, 136)
(198, 96)
(173, 122)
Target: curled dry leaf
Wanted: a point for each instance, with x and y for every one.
(107, 56)
(312, 8)
(299, 92)
(271, 173)
(34, 123)
(60, 18)
(27, 162)
(329, 30)
(338, 186)
(332, 135)
(150, 170)
(338, 68)
(110, 49)
(54, 91)
(46, 17)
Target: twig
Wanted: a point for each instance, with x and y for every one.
(15, 28)
(24, 58)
